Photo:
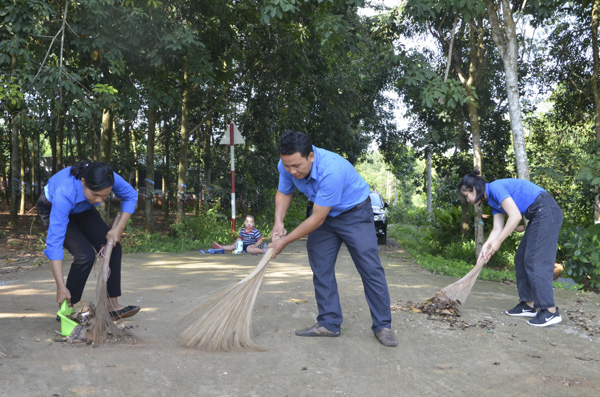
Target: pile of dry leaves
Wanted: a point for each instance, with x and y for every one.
(439, 308)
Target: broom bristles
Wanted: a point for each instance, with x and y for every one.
(226, 321)
(103, 323)
(459, 290)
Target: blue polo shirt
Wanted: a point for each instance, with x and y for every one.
(66, 195)
(521, 191)
(332, 182)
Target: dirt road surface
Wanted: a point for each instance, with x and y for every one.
(484, 353)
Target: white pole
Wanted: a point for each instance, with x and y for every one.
(231, 144)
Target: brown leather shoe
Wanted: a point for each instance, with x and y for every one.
(386, 337)
(316, 330)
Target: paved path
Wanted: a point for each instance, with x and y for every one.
(494, 356)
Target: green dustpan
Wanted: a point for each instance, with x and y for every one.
(66, 324)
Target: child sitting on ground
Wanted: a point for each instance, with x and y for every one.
(250, 237)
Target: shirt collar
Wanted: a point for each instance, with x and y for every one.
(313, 169)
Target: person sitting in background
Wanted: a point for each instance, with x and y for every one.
(249, 236)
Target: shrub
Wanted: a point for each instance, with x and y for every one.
(580, 248)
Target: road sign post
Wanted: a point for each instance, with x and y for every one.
(232, 138)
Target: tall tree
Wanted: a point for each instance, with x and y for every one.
(183, 147)
(504, 34)
(148, 216)
(595, 80)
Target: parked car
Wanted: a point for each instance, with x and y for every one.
(379, 216)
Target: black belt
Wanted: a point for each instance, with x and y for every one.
(357, 206)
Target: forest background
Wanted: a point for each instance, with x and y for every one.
(509, 87)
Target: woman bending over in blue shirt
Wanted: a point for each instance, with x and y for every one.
(67, 208)
(535, 257)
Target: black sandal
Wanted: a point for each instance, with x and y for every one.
(125, 312)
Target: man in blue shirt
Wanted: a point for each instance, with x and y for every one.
(341, 214)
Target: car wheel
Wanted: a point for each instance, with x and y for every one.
(381, 240)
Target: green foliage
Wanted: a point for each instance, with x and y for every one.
(459, 268)
(561, 164)
(214, 224)
(446, 225)
(589, 173)
(11, 94)
(417, 241)
(413, 216)
(567, 286)
(194, 232)
(442, 237)
(580, 248)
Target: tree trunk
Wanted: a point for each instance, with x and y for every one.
(3, 180)
(127, 151)
(106, 136)
(429, 186)
(504, 34)
(207, 162)
(183, 149)
(80, 154)
(33, 171)
(594, 83)
(70, 148)
(199, 148)
(105, 145)
(149, 220)
(478, 221)
(22, 155)
(95, 140)
(52, 136)
(60, 134)
(15, 166)
(462, 143)
(470, 82)
(136, 168)
(166, 173)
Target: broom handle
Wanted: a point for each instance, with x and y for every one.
(265, 259)
(263, 262)
(477, 267)
(108, 250)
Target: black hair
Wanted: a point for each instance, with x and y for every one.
(470, 181)
(295, 142)
(97, 175)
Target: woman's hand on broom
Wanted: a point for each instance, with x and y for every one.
(114, 235)
(488, 249)
(118, 226)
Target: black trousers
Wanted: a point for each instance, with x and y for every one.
(85, 235)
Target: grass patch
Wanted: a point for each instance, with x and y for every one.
(416, 241)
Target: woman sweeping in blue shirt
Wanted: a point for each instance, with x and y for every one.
(535, 257)
(66, 206)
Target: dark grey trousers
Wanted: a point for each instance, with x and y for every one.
(357, 230)
(536, 255)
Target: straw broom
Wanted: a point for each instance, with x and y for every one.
(103, 324)
(459, 290)
(226, 321)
